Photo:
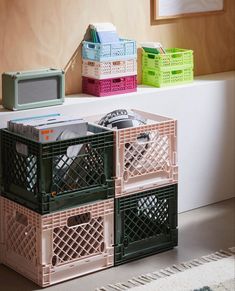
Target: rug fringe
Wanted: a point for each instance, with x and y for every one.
(147, 278)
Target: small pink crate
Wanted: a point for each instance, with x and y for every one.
(107, 87)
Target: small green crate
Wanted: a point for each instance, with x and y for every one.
(145, 223)
(173, 58)
(163, 78)
(45, 178)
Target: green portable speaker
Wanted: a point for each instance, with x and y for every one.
(32, 89)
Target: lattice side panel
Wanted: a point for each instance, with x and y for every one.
(147, 156)
(84, 170)
(21, 170)
(147, 149)
(79, 242)
(79, 232)
(21, 239)
(20, 227)
(149, 218)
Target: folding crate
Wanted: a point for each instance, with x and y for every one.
(173, 59)
(145, 223)
(145, 155)
(52, 248)
(162, 78)
(174, 67)
(109, 69)
(122, 50)
(107, 87)
(52, 176)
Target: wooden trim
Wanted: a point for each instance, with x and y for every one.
(155, 18)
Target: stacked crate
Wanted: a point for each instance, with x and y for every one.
(109, 68)
(172, 68)
(57, 210)
(145, 187)
(63, 217)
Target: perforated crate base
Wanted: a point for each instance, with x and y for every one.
(53, 248)
(145, 223)
(45, 276)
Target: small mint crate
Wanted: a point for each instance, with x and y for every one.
(122, 50)
(162, 78)
(174, 57)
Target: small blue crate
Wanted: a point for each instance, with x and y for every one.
(125, 49)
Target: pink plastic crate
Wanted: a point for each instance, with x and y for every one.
(142, 165)
(109, 69)
(59, 246)
(107, 87)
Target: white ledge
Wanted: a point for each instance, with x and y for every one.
(141, 90)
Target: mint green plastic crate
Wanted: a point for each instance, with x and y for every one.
(162, 78)
(173, 58)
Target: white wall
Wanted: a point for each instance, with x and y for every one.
(205, 111)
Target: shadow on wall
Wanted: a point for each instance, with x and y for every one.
(73, 69)
(225, 160)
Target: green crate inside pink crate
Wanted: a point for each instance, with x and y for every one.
(162, 78)
(174, 57)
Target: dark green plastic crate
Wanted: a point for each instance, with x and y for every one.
(46, 180)
(145, 223)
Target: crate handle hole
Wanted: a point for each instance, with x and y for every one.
(117, 63)
(73, 151)
(151, 56)
(79, 219)
(117, 80)
(22, 149)
(151, 73)
(102, 247)
(143, 138)
(91, 64)
(125, 175)
(90, 45)
(176, 56)
(177, 72)
(103, 179)
(54, 260)
(21, 218)
(125, 242)
(91, 81)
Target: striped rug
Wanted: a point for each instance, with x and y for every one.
(214, 272)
